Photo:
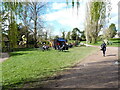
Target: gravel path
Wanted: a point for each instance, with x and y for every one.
(3, 56)
(95, 71)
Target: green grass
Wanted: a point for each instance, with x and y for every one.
(24, 66)
(115, 42)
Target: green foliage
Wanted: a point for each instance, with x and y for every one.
(98, 10)
(115, 39)
(63, 34)
(13, 34)
(56, 37)
(110, 32)
(33, 64)
(16, 7)
(113, 42)
(68, 37)
(75, 35)
(46, 42)
(95, 20)
(83, 35)
(13, 10)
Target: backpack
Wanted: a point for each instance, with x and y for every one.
(103, 46)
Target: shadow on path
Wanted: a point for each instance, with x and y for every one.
(111, 55)
(98, 75)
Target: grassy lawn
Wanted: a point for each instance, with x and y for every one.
(115, 42)
(32, 64)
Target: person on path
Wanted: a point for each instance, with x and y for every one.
(103, 48)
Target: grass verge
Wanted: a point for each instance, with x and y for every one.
(114, 42)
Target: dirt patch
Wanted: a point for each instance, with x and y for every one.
(95, 71)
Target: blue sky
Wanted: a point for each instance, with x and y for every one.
(65, 18)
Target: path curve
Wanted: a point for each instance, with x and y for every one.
(95, 71)
(3, 57)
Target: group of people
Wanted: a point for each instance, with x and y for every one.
(65, 46)
(62, 46)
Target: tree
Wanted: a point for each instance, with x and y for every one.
(56, 37)
(95, 19)
(83, 35)
(63, 34)
(12, 9)
(68, 36)
(113, 30)
(75, 34)
(22, 30)
(110, 32)
(35, 9)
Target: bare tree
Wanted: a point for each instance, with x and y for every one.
(35, 22)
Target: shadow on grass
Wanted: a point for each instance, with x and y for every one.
(25, 82)
(64, 51)
(111, 75)
(25, 49)
(16, 54)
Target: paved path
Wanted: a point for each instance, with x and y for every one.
(93, 72)
(3, 56)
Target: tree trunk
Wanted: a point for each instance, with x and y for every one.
(35, 27)
(96, 34)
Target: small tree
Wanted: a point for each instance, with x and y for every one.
(68, 35)
(75, 34)
(63, 34)
(56, 37)
(110, 32)
(83, 35)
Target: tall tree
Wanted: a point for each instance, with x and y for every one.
(35, 9)
(13, 11)
(96, 20)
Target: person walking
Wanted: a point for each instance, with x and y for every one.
(103, 48)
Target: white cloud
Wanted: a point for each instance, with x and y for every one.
(58, 5)
(114, 19)
(114, 4)
(68, 17)
(114, 12)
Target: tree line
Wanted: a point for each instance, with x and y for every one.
(28, 16)
(23, 18)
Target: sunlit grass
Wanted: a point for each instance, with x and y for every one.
(114, 42)
(32, 64)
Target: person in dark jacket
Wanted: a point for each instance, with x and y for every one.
(103, 48)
